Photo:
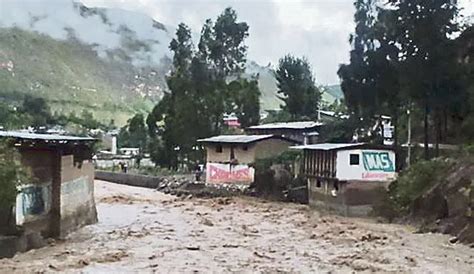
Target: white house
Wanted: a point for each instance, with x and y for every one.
(347, 177)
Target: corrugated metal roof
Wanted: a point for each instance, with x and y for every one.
(235, 139)
(288, 125)
(43, 137)
(329, 146)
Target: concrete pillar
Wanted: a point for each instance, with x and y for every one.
(56, 195)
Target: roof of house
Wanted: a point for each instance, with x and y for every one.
(340, 146)
(42, 137)
(288, 125)
(239, 139)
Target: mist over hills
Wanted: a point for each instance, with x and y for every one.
(109, 61)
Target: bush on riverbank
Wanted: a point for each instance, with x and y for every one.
(438, 195)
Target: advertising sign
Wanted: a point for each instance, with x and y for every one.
(226, 173)
(378, 161)
(377, 165)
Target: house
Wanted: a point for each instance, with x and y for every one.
(231, 120)
(129, 151)
(230, 157)
(305, 132)
(347, 177)
(60, 196)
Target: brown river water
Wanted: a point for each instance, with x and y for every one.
(145, 231)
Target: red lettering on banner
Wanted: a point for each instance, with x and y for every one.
(229, 174)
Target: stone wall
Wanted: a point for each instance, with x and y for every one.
(128, 179)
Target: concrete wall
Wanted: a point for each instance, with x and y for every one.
(77, 194)
(353, 198)
(128, 179)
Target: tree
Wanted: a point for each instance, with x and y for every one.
(38, 110)
(296, 85)
(426, 51)
(246, 98)
(203, 85)
(134, 134)
(356, 79)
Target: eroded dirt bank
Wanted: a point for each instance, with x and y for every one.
(142, 230)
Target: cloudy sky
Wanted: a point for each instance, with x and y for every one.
(317, 29)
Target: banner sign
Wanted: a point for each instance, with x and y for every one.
(378, 161)
(226, 173)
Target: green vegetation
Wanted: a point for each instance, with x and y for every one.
(206, 83)
(70, 77)
(415, 180)
(134, 134)
(405, 57)
(12, 174)
(297, 89)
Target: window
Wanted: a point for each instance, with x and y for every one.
(245, 148)
(354, 159)
(219, 149)
(318, 183)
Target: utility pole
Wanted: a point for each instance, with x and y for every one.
(409, 138)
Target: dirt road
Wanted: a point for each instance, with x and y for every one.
(141, 230)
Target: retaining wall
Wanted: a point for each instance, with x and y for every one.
(128, 179)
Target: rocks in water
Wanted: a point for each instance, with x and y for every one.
(187, 187)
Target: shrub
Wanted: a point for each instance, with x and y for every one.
(411, 183)
(12, 174)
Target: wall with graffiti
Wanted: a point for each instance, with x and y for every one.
(33, 201)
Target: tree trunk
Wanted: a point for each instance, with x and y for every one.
(438, 131)
(426, 132)
(445, 126)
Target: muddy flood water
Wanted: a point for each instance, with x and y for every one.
(142, 231)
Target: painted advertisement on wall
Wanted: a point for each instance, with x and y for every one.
(226, 173)
(33, 200)
(378, 165)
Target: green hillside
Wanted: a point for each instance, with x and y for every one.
(71, 77)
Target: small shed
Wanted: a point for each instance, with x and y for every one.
(60, 196)
(303, 132)
(347, 177)
(229, 157)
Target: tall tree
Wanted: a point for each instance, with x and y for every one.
(296, 85)
(426, 27)
(356, 80)
(203, 85)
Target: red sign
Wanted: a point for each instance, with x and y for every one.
(226, 173)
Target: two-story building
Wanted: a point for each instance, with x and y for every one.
(230, 157)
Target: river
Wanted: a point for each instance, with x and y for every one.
(145, 231)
